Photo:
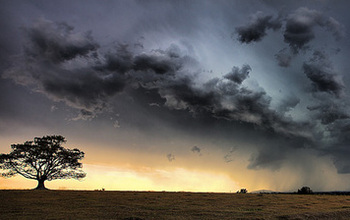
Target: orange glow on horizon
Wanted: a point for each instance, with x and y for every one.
(143, 179)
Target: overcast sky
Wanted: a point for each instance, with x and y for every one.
(182, 95)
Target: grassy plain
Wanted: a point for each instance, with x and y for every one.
(29, 204)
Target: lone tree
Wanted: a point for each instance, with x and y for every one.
(43, 159)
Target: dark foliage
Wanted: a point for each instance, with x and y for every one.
(242, 191)
(43, 159)
(305, 190)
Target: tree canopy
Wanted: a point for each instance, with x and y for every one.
(43, 159)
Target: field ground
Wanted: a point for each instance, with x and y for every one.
(28, 204)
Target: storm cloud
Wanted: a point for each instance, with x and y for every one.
(87, 80)
(186, 64)
(56, 62)
(320, 71)
(56, 42)
(257, 26)
(67, 66)
(299, 30)
(238, 75)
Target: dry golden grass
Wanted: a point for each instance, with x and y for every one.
(168, 205)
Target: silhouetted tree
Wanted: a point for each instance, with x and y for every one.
(43, 159)
(305, 190)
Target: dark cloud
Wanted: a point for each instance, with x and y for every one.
(170, 157)
(238, 75)
(229, 100)
(119, 60)
(332, 116)
(339, 139)
(56, 42)
(157, 61)
(145, 62)
(329, 115)
(57, 62)
(329, 112)
(320, 71)
(300, 26)
(257, 26)
(272, 159)
(182, 94)
(283, 57)
(196, 149)
(67, 66)
(87, 81)
(274, 151)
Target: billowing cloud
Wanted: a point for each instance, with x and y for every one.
(272, 158)
(87, 79)
(300, 26)
(329, 112)
(339, 137)
(257, 26)
(238, 75)
(157, 61)
(69, 66)
(56, 42)
(320, 71)
(56, 62)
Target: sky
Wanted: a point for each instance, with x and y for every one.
(208, 96)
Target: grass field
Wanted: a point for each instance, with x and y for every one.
(28, 204)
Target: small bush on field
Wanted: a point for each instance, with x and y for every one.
(305, 190)
(242, 191)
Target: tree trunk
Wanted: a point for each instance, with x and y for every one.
(41, 185)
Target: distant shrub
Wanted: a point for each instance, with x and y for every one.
(242, 191)
(305, 190)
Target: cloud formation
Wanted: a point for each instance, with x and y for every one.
(86, 79)
(238, 75)
(70, 67)
(300, 26)
(55, 62)
(67, 66)
(328, 111)
(320, 71)
(196, 149)
(257, 26)
(56, 42)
